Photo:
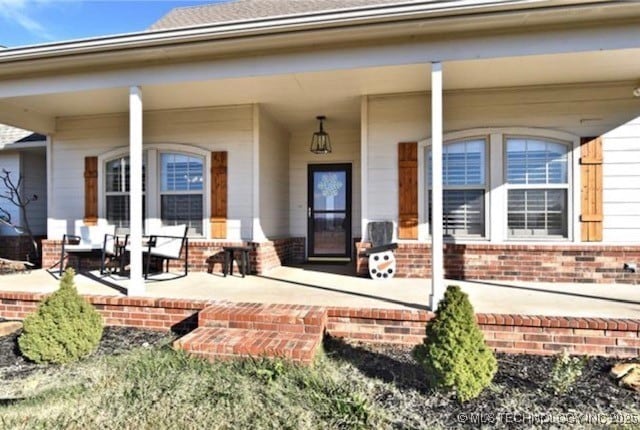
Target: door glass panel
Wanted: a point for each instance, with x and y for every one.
(329, 235)
(329, 191)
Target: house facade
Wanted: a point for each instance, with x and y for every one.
(23, 157)
(505, 134)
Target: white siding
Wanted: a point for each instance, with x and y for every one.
(392, 119)
(346, 149)
(579, 110)
(9, 161)
(274, 178)
(211, 129)
(621, 183)
(34, 171)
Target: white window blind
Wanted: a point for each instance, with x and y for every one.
(537, 182)
(181, 191)
(117, 191)
(464, 184)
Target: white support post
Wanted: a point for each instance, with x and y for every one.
(136, 282)
(437, 254)
(364, 167)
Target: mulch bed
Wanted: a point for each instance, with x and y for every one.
(115, 340)
(518, 398)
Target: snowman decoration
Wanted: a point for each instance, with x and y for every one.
(382, 265)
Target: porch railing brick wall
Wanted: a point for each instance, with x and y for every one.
(534, 263)
(504, 333)
(204, 256)
(278, 252)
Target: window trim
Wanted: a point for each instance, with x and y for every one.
(484, 186)
(103, 183)
(201, 192)
(495, 212)
(566, 186)
(153, 181)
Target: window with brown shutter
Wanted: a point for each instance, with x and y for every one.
(218, 220)
(408, 190)
(91, 190)
(591, 192)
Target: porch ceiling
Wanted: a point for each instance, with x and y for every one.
(295, 99)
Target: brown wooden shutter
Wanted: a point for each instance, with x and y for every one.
(91, 190)
(218, 219)
(408, 190)
(591, 193)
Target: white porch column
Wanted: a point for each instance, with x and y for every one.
(136, 282)
(437, 255)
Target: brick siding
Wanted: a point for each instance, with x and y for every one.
(530, 263)
(204, 256)
(276, 253)
(18, 247)
(514, 334)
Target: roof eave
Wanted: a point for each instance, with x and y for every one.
(272, 26)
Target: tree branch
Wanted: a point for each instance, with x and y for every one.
(13, 194)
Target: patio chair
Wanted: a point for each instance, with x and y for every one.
(170, 243)
(112, 249)
(90, 239)
(382, 261)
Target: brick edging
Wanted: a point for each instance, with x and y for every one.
(535, 334)
(612, 324)
(514, 320)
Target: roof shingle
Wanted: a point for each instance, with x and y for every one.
(9, 135)
(242, 10)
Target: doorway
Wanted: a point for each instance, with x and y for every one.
(329, 212)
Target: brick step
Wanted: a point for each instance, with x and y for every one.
(278, 318)
(215, 343)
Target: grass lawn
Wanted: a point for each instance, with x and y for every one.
(157, 388)
(125, 386)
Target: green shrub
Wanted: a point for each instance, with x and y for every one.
(454, 353)
(566, 370)
(65, 327)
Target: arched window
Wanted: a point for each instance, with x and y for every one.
(464, 187)
(536, 176)
(182, 190)
(117, 191)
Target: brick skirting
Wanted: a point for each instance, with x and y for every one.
(278, 252)
(18, 247)
(204, 256)
(534, 263)
(505, 333)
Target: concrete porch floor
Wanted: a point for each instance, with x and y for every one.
(301, 285)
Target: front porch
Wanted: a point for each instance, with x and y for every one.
(318, 286)
(228, 154)
(285, 311)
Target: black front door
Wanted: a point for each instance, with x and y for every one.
(329, 211)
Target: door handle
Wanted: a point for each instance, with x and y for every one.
(309, 212)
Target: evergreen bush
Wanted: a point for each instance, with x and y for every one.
(65, 327)
(565, 372)
(454, 353)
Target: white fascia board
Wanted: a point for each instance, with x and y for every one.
(551, 41)
(17, 146)
(272, 24)
(418, 17)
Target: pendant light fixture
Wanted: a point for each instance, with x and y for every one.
(320, 142)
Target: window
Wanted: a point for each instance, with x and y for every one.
(464, 187)
(117, 192)
(173, 194)
(181, 191)
(536, 172)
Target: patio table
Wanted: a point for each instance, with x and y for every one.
(229, 254)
